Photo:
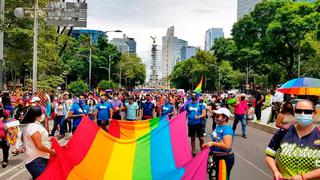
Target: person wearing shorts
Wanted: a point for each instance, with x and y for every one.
(103, 112)
(196, 114)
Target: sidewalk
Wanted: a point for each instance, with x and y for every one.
(262, 125)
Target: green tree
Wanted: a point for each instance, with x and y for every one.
(78, 87)
(132, 69)
(104, 85)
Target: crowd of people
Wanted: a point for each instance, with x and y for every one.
(34, 111)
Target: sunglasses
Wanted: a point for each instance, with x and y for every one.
(305, 111)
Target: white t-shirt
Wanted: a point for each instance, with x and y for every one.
(31, 150)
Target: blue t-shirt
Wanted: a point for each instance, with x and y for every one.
(166, 109)
(148, 108)
(194, 109)
(103, 111)
(76, 110)
(220, 132)
(132, 110)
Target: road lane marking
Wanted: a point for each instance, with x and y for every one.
(18, 166)
(254, 166)
(17, 174)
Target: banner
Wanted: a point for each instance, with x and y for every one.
(158, 149)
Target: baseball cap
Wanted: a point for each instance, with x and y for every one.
(35, 99)
(224, 111)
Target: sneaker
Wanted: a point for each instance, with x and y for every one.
(4, 164)
(244, 136)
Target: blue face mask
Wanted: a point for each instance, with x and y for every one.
(103, 101)
(166, 101)
(304, 119)
(81, 101)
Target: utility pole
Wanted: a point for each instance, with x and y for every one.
(2, 3)
(90, 62)
(109, 67)
(299, 63)
(35, 48)
(120, 77)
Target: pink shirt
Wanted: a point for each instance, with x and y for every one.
(241, 108)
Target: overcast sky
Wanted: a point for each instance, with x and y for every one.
(141, 19)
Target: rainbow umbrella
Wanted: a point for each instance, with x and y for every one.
(301, 86)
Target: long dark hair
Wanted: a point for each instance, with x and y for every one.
(287, 108)
(32, 113)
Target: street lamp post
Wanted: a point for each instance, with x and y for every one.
(90, 62)
(219, 75)
(35, 48)
(19, 13)
(1, 43)
(109, 73)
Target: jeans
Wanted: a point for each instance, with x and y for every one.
(37, 166)
(242, 119)
(5, 149)
(67, 125)
(58, 120)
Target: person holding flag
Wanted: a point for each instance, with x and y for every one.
(196, 113)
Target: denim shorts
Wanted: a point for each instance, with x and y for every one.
(37, 166)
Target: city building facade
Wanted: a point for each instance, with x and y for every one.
(211, 35)
(94, 34)
(191, 51)
(180, 46)
(246, 6)
(125, 44)
(168, 53)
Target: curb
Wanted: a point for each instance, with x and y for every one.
(263, 127)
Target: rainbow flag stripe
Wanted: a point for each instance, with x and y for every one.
(153, 149)
(199, 87)
(222, 170)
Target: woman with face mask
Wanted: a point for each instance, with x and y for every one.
(36, 139)
(221, 144)
(295, 154)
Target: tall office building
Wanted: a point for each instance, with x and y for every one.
(191, 51)
(124, 44)
(245, 7)
(173, 51)
(211, 35)
(94, 34)
(168, 53)
(180, 46)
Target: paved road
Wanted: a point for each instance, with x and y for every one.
(249, 158)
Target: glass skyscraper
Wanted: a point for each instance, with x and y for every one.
(211, 35)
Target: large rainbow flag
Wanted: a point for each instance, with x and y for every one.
(152, 149)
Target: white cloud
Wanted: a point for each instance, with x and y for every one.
(142, 18)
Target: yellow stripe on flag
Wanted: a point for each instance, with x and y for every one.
(122, 161)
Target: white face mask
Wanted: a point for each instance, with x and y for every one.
(43, 117)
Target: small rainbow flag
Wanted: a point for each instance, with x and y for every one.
(199, 87)
(151, 149)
